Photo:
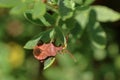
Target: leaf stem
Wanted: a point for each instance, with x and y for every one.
(57, 21)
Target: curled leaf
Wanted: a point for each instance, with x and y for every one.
(48, 62)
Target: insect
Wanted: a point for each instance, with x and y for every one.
(43, 51)
(46, 50)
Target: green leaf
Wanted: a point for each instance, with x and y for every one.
(39, 9)
(20, 9)
(69, 4)
(33, 42)
(77, 31)
(47, 20)
(66, 8)
(59, 37)
(48, 62)
(105, 14)
(50, 18)
(82, 16)
(95, 32)
(45, 37)
(70, 23)
(44, 21)
(67, 25)
(9, 3)
(48, 36)
(97, 36)
(28, 16)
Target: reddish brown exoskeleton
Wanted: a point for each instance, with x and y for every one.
(46, 50)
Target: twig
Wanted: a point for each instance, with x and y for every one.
(40, 73)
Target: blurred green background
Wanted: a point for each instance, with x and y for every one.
(17, 63)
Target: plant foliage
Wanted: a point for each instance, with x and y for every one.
(75, 23)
